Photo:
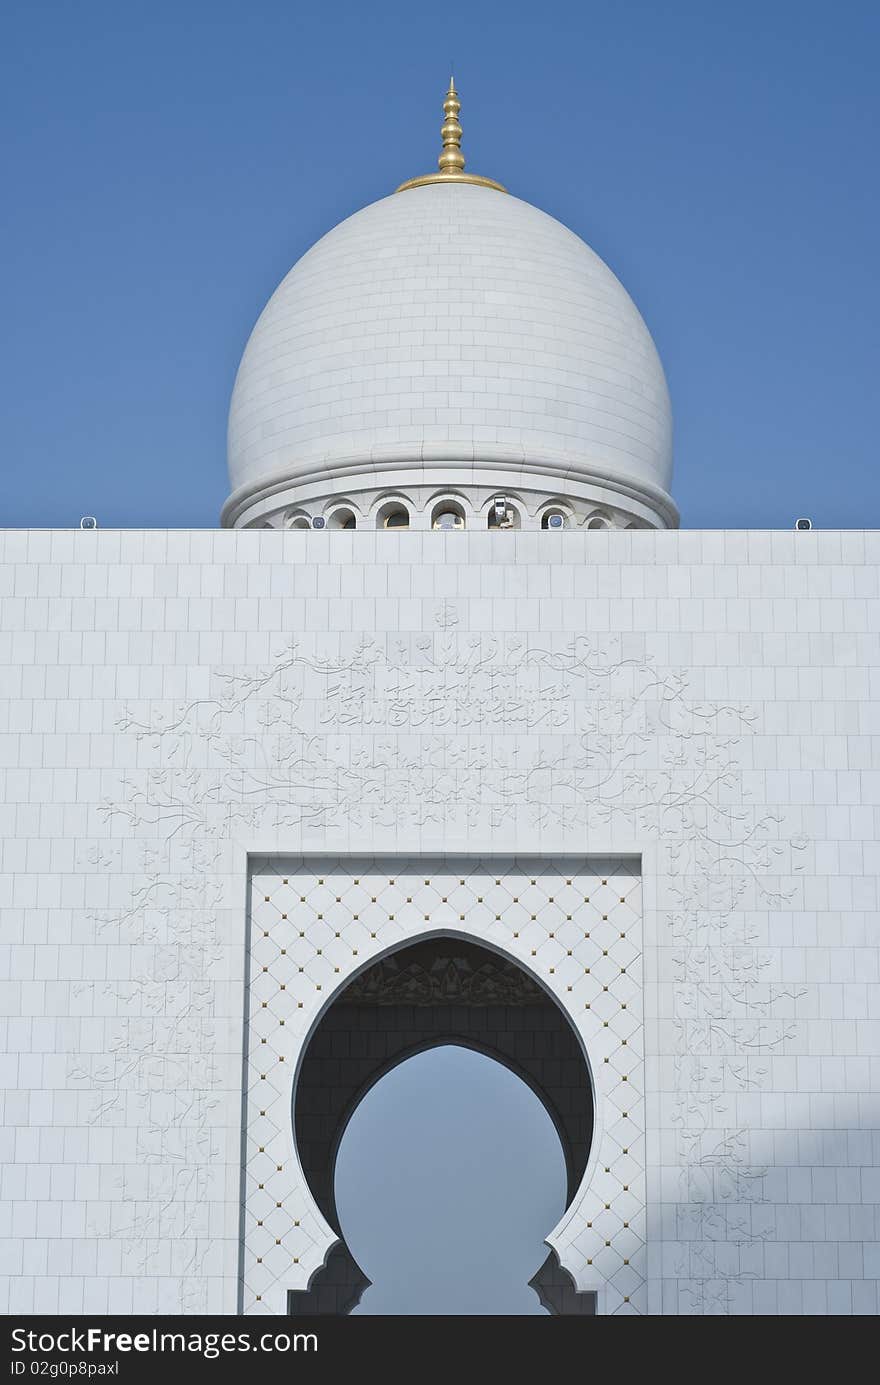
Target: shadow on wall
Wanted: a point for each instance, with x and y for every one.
(443, 1211)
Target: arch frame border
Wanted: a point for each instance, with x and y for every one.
(560, 1239)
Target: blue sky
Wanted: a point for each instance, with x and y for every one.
(450, 1214)
(165, 164)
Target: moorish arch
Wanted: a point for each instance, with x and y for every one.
(356, 963)
(445, 989)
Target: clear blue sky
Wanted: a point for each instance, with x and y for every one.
(164, 164)
(450, 1174)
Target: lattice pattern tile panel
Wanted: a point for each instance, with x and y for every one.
(574, 923)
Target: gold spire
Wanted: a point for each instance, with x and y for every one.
(451, 160)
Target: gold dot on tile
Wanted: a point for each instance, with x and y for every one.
(262, 1149)
(390, 882)
(277, 1241)
(302, 935)
(626, 1296)
(409, 899)
(267, 899)
(262, 1077)
(497, 918)
(534, 917)
(607, 1206)
(605, 1060)
(284, 916)
(259, 1298)
(479, 899)
(568, 917)
(444, 900)
(281, 1022)
(299, 1005)
(624, 1114)
(265, 1004)
(262, 1113)
(626, 1224)
(320, 882)
(587, 1006)
(626, 1300)
(568, 953)
(265, 968)
(372, 899)
(262, 1041)
(427, 916)
(260, 1185)
(605, 1026)
(589, 1262)
(296, 1223)
(604, 882)
(357, 882)
(285, 882)
(534, 953)
(339, 899)
(296, 1259)
(607, 1170)
(320, 916)
(283, 988)
(317, 988)
(552, 971)
(265, 934)
(461, 918)
(608, 1243)
(516, 899)
(302, 899)
(355, 916)
(626, 1185)
(626, 1151)
(623, 1007)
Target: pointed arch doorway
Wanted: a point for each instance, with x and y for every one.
(432, 993)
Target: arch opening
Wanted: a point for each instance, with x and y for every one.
(442, 992)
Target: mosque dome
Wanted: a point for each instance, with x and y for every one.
(450, 356)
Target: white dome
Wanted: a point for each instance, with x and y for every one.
(450, 325)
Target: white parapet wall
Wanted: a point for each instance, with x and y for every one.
(175, 706)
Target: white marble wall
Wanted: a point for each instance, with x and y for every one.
(174, 701)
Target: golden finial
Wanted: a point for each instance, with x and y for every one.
(451, 160)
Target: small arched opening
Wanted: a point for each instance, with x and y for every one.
(448, 514)
(342, 518)
(392, 515)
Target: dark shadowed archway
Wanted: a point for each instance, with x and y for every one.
(439, 990)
